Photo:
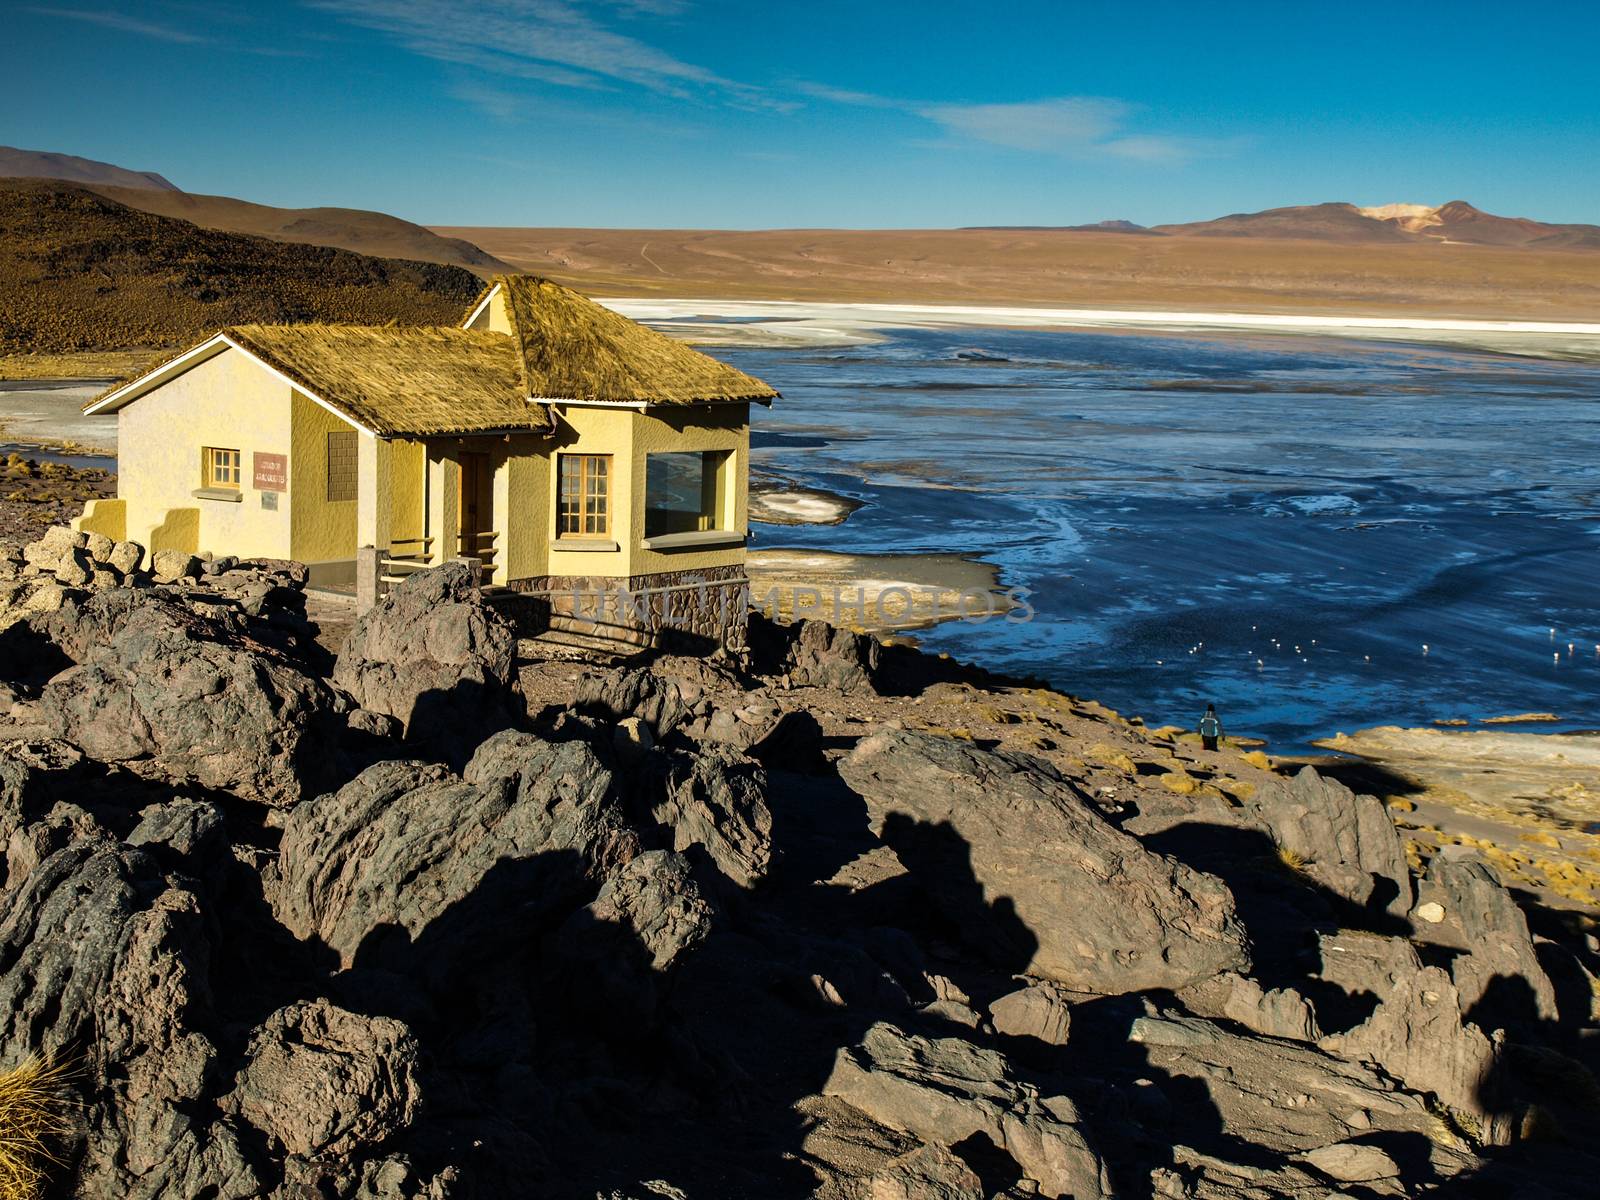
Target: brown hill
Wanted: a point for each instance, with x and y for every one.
(43, 164)
(347, 228)
(1314, 222)
(78, 271)
(1459, 221)
(1063, 268)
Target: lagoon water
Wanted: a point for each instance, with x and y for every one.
(1280, 525)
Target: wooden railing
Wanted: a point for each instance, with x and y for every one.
(480, 546)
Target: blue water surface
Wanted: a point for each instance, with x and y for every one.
(1278, 525)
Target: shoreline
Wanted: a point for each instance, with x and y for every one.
(798, 323)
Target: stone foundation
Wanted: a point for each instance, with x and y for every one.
(691, 610)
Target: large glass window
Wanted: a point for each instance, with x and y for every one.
(685, 492)
(583, 502)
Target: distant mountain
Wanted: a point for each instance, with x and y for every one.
(1458, 221)
(347, 228)
(79, 271)
(43, 164)
(1311, 222)
(1455, 222)
(1097, 227)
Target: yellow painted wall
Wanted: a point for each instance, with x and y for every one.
(522, 499)
(227, 401)
(104, 516)
(408, 482)
(596, 431)
(321, 530)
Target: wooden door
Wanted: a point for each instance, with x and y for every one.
(475, 504)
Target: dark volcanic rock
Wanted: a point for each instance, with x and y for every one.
(1499, 976)
(160, 686)
(1416, 1033)
(392, 850)
(648, 915)
(949, 1091)
(433, 656)
(1053, 889)
(824, 655)
(657, 702)
(718, 802)
(1348, 842)
(106, 964)
(323, 1081)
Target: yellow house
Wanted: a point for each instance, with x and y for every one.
(596, 468)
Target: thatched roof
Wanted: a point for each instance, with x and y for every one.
(420, 380)
(392, 380)
(416, 381)
(574, 349)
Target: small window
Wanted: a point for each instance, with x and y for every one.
(219, 468)
(342, 465)
(584, 501)
(685, 492)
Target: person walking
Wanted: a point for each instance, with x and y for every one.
(1210, 728)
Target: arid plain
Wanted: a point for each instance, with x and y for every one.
(1133, 271)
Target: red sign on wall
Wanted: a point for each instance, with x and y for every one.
(270, 472)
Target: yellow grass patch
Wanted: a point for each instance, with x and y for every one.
(33, 1119)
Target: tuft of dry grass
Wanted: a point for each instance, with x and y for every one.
(34, 1117)
(1292, 859)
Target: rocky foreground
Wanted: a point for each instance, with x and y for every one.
(441, 917)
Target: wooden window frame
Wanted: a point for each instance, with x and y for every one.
(343, 449)
(218, 473)
(591, 469)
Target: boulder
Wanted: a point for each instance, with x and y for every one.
(927, 1173)
(433, 656)
(638, 693)
(824, 655)
(161, 688)
(1499, 977)
(947, 1090)
(58, 542)
(1416, 1033)
(717, 802)
(106, 967)
(1352, 1162)
(321, 1081)
(126, 557)
(618, 948)
(783, 740)
(75, 569)
(394, 850)
(1348, 843)
(172, 566)
(1031, 873)
(1277, 1096)
(1039, 1011)
(1279, 1012)
(99, 547)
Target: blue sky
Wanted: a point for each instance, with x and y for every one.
(714, 113)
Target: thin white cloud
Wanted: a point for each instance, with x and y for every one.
(491, 101)
(1071, 126)
(123, 24)
(1162, 150)
(1070, 123)
(552, 40)
(836, 95)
